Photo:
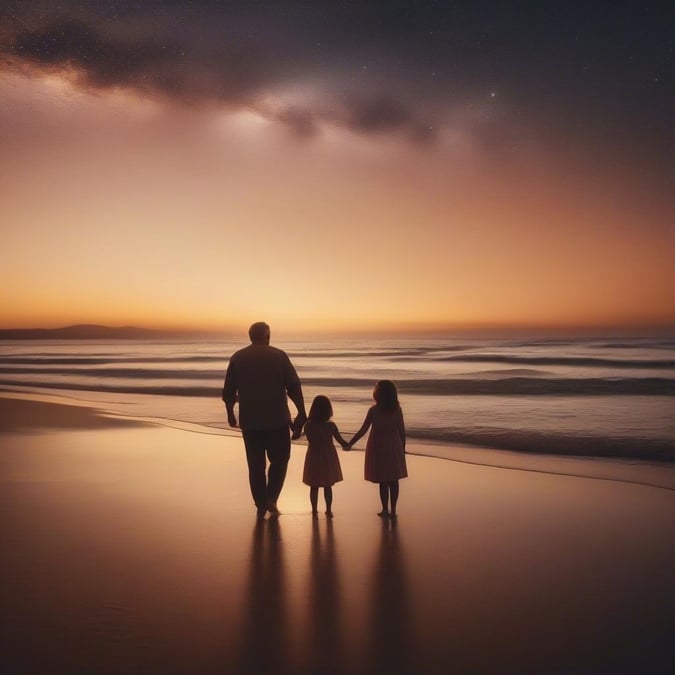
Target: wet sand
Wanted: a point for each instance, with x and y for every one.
(134, 548)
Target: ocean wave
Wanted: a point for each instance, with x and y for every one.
(425, 355)
(110, 359)
(95, 359)
(386, 352)
(106, 360)
(548, 342)
(120, 373)
(168, 390)
(660, 343)
(660, 449)
(654, 386)
(555, 361)
(512, 386)
(594, 343)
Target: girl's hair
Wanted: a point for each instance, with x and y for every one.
(321, 410)
(385, 395)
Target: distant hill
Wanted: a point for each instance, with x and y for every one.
(93, 332)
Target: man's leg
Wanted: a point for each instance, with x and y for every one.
(279, 452)
(255, 443)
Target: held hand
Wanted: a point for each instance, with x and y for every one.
(297, 425)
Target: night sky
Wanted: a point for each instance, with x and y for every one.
(475, 163)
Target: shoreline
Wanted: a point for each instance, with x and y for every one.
(135, 548)
(625, 470)
(531, 441)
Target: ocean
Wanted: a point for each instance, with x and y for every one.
(589, 397)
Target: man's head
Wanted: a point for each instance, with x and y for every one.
(259, 333)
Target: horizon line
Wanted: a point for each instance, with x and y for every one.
(462, 330)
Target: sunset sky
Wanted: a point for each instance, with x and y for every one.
(337, 165)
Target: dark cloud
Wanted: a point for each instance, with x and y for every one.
(193, 73)
(599, 74)
(379, 114)
(301, 121)
(150, 65)
(383, 114)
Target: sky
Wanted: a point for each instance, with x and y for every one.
(338, 165)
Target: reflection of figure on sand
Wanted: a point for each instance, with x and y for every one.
(325, 633)
(265, 638)
(390, 646)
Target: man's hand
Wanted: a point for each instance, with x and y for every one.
(232, 419)
(296, 426)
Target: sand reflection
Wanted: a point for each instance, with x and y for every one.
(325, 633)
(265, 634)
(389, 649)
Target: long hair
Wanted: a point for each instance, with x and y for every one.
(385, 395)
(321, 410)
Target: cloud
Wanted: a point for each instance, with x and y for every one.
(156, 64)
(382, 114)
(302, 122)
(149, 65)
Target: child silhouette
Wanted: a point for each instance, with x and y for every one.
(322, 466)
(385, 450)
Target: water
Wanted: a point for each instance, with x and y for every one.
(602, 398)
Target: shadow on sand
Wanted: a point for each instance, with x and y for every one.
(265, 637)
(268, 641)
(389, 648)
(325, 636)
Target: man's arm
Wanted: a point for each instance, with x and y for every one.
(295, 394)
(294, 391)
(230, 395)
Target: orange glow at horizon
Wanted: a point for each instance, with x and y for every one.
(117, 212)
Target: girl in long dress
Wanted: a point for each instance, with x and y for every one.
(385, 449)
(322, 466)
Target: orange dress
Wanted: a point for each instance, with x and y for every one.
(322, 466)
(385, 453)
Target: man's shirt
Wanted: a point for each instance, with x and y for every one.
(259, 376)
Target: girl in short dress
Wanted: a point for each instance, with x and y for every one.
(385, 450)
(322, 466)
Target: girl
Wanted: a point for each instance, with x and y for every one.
(322, 466)
(385, 449)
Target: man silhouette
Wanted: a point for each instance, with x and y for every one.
(262, 378)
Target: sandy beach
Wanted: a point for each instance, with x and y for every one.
(132, 547)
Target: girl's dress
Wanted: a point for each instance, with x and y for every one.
(322, 466)
(385, 454)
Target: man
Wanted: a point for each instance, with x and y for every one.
(262, 378)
